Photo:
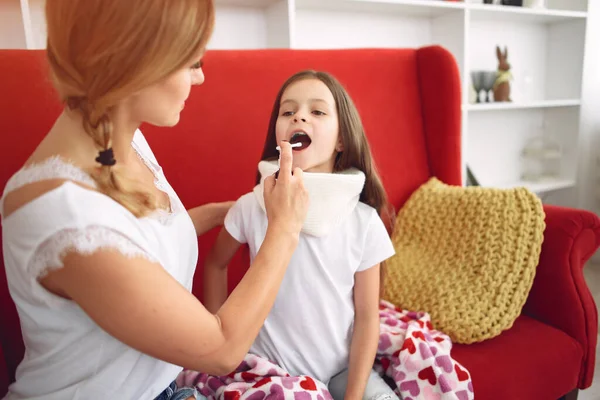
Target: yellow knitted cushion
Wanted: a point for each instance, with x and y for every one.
(467, 256)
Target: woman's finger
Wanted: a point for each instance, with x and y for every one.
(285, 162)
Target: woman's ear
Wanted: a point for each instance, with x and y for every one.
(339, 147)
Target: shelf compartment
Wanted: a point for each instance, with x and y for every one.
(413, 8)
(521, 106)
(539, 187)
(490, 12)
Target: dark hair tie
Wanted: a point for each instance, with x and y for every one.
(106, 157)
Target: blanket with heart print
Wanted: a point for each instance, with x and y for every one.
(417, 358)
(412, 356)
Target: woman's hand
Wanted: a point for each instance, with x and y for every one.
(209, 216)
(286, 199)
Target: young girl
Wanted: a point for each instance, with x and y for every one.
(325, 320)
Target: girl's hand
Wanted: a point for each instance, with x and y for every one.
(209, 216)
(221, 210)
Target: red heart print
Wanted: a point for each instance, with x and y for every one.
(427, 374)
(428, 325)
(419, 335)
(462, 375)
(262, 382)
(385, 363)
(438, 339)
(308, 384)
(249, 376)
(231, 395)
(409, 345)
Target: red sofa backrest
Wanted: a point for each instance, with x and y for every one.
(409, 101)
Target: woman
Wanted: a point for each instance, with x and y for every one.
(99, 251)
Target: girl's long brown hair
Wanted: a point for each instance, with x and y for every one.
(356, 153)
(102, 51)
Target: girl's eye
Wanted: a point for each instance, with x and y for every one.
(198, 65)
(287, 113)
(318, 112)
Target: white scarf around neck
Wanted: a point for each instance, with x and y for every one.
(333, 196)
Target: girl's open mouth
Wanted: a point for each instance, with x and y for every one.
(302, 138)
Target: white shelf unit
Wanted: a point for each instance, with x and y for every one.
(545, 50)
(546, 53)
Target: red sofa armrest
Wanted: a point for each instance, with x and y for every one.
(560, 296)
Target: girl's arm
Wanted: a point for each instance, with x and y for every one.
(215, 271)
(208, 216)
(365, 337)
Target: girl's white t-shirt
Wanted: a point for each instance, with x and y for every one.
(68, 356)
(309, 329)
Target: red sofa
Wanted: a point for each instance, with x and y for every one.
(409, 100)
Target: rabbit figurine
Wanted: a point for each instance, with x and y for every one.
(503, 77)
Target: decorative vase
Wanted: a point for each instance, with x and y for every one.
(541, 158)
(534, 3)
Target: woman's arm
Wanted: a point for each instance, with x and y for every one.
(215, 271)
(208, 216)
(139, 303)
(365, 337)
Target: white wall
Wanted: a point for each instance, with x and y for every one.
(335, 29)
(12, 33)
(38, 23)
(589, 168)
(252, 19)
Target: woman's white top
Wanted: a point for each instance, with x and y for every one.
(68, 356)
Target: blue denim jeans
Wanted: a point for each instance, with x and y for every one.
(376, 389)
(175, 393)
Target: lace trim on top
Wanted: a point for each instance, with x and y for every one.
(50, 254)
(57, 168)
(51, 168)
(161, 184)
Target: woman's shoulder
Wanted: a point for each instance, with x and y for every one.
(65, 215)
(57, 193)
(34, 183)
(52, 168)
(53, 205)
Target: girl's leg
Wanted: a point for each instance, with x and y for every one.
(337, 385)
(167, 393)
(376, 389)
(175, 393)
(187, 394)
